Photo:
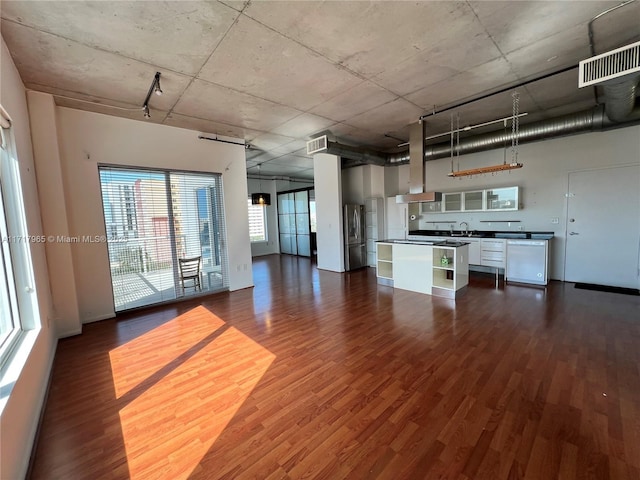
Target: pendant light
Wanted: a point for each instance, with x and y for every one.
(260, 198)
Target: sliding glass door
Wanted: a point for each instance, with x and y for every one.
(294, 223)
(156, 220)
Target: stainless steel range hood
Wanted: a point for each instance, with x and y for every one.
(416, 169)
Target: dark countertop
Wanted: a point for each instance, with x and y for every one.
(447, 243)
(485, 234)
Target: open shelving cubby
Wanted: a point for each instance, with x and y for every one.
(385, 260)
(444, 274)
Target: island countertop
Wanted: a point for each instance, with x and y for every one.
(436, 243)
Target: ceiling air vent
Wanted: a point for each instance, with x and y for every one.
(614, 64)
(317, 145)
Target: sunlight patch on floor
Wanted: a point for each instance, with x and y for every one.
(170, 422)
(139, 359)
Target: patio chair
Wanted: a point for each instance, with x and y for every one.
(190, 271)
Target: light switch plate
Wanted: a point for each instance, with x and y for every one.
(555, 220)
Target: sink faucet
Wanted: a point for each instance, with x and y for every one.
(466, 227)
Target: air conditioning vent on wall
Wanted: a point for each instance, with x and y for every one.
(317, 145)
(614, 64)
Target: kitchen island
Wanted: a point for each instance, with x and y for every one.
(434, 268)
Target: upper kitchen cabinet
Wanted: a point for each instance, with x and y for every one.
(452, 202)
(496, 199)
(473, 201)
(431, 207)
(499, 199)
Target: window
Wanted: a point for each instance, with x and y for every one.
(18, 303)
(154, 219)
(257, 222)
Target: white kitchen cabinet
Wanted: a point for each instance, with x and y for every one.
(419, 268)
(474, 250)
(430, 207)
(396, 219)
(452, 202)
(496, 199)
(374, 211)
(503, 199)
(412, 267)
(492, 252)
(473, 201)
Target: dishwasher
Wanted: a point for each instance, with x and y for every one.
(527, 261)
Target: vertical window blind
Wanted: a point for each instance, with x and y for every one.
(154, 219)
(257, 222)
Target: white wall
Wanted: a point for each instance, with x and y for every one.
(353, 185)
(328, 191)
(543, 181)
(373, 181)
(19, 418)
(88, 139)
(42, 111)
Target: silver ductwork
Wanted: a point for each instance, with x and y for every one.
(621, 109)
(416, 169)
(359, 155)
(566, 125)
(621, 97)
(581, 122)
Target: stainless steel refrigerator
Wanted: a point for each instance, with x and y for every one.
(355, 248)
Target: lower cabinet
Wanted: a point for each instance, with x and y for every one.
(441, 271)
(412, 267)
(493, 252)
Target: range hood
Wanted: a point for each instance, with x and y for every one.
(416, 169)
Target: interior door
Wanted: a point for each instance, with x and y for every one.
(603, 227)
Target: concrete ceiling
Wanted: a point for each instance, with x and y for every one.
(277, 73)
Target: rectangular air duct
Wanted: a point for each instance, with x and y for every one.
(607, 66)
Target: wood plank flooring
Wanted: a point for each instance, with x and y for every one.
(319, 375)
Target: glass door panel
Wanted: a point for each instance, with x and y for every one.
(153, 218)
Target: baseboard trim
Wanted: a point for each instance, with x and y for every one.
(43, 404)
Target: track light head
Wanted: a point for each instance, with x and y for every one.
(155, 87)
(156, 82)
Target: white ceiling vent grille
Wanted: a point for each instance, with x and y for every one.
(614, 64)
(317, 145)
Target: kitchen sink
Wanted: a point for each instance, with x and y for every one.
(467, 235)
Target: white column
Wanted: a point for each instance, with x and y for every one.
(53, 205)
(328, 191)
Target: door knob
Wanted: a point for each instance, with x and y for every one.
(574, 233)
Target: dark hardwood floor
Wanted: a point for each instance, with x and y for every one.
(321, 375)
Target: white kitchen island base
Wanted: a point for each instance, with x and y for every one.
(439, 269)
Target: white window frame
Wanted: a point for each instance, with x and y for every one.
(263, 210)
(15, 261)
(17, 277)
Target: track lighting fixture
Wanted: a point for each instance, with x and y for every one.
(154, 88)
